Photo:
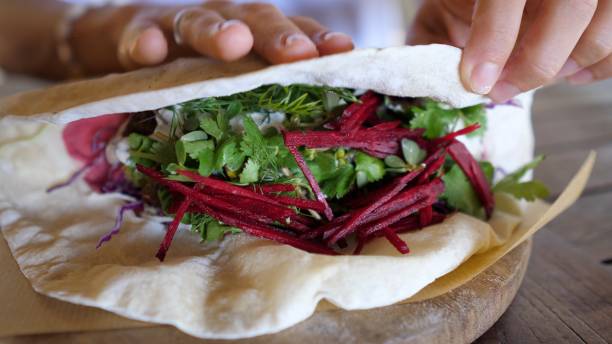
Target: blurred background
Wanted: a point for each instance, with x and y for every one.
(371, 23)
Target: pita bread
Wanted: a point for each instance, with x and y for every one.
(242, 286)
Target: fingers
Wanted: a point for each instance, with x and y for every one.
(596, 42)
(599, 71)
(495, 28)
(545, 46)
(327, 42)
(210, 34)
(276, 37)
(142, 43)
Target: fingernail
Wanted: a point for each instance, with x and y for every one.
(294, 38)
(503, 91)
(580, 78)
(570, 67)
(483, 77)
(326, 36)
(229, 23)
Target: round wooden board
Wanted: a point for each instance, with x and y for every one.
(459, 316)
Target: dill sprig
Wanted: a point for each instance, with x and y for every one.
(301, 103)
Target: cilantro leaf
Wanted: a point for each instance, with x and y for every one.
(438, 120)
(345, 180)
(250, 172)
(206, 158)
(475, 114)
(229, 155)
(526, 190)
(459, 194)
(529, 190)
(197, 135)
(373, 168)
(216, 231)
(211, 127)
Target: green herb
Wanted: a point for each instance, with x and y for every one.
(228, 154)
(459, 194)
(206, 159)
(211, 127)
(303, 104)
(250, 173)
(372, 168)
(438, 120)
(529, 190)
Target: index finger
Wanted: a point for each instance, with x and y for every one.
(494, 32)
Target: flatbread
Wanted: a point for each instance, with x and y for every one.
(243, 286)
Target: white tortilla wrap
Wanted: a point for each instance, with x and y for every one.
(244, 286)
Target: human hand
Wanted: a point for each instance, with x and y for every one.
(129, 37)
(517, 45)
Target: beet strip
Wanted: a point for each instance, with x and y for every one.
(387, 125)
(290, 220)
(433, 163)
(363, 138)
(357, 113)
(329, 226)
(225, 187)
(276, 203)
(264, 231)
(311, 181)
(413, 222)
(474, 173)
(425, 216)
(451, 136)
(385, 193)
(228, 217)
(272, 188)
(403, 200)
(206, 198)
(178, 217)
(396, 241)
(395, 217)
(300, 203)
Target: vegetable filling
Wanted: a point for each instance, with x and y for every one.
(308, 166)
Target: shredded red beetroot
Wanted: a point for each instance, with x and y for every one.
(232, 215)
(386, 194)
(378, 143)
(474, 173)
(395, 217)
(178, 217)
(267, 189)
(355, 114)
(449, 138)
(311, 181)
(301, 203)
(426, 216)
(388, 125)
(265, 231)
(396, 241)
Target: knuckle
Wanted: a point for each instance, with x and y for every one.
(583, 7)
(258, 8)
(542, 72)
(594, 49)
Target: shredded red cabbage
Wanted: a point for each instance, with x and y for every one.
(136, 207)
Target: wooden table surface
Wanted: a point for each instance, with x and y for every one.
(566, 296)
